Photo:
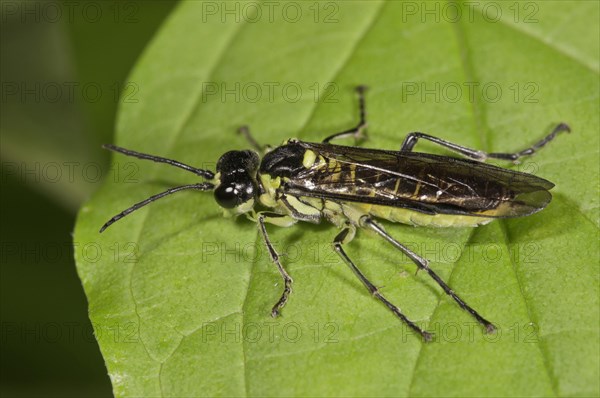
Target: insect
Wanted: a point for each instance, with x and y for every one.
(351, 187)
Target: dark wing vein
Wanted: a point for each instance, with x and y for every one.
(419, 181)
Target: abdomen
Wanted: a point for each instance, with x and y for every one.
(416, 218)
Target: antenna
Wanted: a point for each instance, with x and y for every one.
(201, 172)
(204, 186)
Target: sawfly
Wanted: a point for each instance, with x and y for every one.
(351, 187)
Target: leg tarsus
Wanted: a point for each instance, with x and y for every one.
(412, 138)
(287, 279)
(344, 237)
(535, 147)
(423, 264)
(287, 290)
(359, 130)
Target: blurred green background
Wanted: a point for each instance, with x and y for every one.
(63, 67)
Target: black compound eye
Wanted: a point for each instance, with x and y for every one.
(228, 196)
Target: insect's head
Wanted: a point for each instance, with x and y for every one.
(236, 186)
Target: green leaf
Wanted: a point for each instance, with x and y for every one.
(180, 297)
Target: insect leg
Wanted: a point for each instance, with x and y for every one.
(245, 131)
(358, 130)
(411, 140)
(287, 279)
(424, 265)
(346, 236)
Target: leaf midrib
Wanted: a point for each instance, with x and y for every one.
(308, 119)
